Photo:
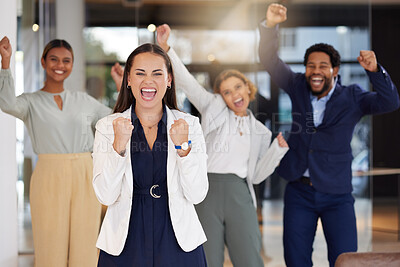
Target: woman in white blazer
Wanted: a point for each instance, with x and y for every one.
(150, 170)
(239, 155)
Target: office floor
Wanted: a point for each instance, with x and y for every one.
(369, 239)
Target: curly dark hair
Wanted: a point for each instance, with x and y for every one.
(325, 48)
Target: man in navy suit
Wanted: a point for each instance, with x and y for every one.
(318, 164)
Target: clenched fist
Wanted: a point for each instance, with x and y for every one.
(276, 14)
(117, 74)
(179, 133)
(5, 52)
(163, 32)
(122, 133)
(282, 141)
(368, 60)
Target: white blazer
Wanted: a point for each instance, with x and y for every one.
(264, 156)
(113, 184)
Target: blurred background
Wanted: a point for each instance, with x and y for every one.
(210, 36)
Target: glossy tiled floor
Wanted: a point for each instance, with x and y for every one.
(369, 239)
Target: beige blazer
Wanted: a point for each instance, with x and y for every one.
(264, 156)
(113, 184)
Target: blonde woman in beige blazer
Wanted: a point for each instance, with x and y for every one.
(240, 154)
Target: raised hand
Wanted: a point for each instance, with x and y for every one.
(5, 52)
(163, 32)
(122, 133)
(117, 74)
(282, 141)
(367, 60)
(276, 14)
(179, 133)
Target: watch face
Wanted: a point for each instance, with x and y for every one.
(185, 146)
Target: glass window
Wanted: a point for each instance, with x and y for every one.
(226, 47)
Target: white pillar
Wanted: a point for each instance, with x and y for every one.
(70, 20)
(8, 164)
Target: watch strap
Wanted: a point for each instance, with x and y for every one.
(180, 147)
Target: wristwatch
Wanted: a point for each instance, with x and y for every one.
(184, 146)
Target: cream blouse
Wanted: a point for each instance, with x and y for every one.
(70, 130)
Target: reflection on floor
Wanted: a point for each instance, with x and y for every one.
(271, 228)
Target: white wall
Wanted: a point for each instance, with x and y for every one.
(68, 29)
(72, 31)
(8, 165)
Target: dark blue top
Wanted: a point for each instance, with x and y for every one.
(325, 150)
(151, 239)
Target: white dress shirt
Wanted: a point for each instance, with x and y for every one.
(231, 154)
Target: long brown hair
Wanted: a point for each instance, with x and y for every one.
(57, 43)
(126, 98)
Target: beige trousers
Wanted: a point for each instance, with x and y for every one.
(65, 212)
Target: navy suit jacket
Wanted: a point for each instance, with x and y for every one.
(325, 150)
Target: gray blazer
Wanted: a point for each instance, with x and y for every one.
(264, 158)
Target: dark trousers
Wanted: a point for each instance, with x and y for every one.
(303, 207)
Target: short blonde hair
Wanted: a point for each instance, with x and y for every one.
(234, 73)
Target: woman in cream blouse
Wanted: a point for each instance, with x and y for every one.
(64, 209)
